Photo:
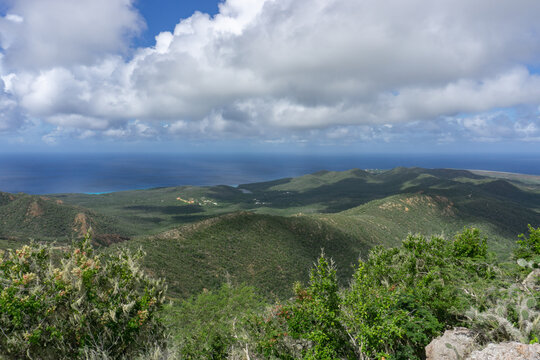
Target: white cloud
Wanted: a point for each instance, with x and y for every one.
(11, 117)
(78, 122)
(41, 34)
(275, 68)
(338, 133)
(14, 18)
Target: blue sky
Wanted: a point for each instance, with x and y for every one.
(324, 76)
(163, 15)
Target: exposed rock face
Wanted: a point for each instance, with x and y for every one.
(109, 239)
(460, 344)
(81, 225)
(454, 344)
(34, 210)
(507, 351)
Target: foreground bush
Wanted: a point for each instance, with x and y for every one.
(211, 324)
(398, 300)
(401, 298)
(529, 246)
(88, 305)
(512, 312)
(514, 316)
(308, 326)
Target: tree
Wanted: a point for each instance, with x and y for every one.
(470, 244)
(529, 246)
(315, 314)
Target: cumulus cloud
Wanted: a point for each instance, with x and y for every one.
(39, 34)
(11, 117)
(499, 126)
(266, 69)
(14, 18)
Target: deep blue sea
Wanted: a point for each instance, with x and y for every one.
(96, 173)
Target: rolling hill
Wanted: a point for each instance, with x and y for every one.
(42, 218)
(268, 250)
(267, 234)
(263, 250)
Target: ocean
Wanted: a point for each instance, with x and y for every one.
(97, 173)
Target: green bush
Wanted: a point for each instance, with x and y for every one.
(400, 298)
(386, 322)
(529, 246)
(315, 314)
(85, 304)
(470, 244)
(211, 324)
(307, 326)
(268, 338)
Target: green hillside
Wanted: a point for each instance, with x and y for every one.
(263, 250)
(266, 234)
(387, 220)
(156, 210)
(26, 216)
(268, 251)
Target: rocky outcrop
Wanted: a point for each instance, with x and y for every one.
(454, 344)
(34, 210)
(81, 224)
(460, 344)
(507, 351)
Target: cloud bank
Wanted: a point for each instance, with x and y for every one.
(324, 70)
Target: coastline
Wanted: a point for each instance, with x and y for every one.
(507, 175)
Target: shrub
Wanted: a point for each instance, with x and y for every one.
(309, 325)
(315, 314)
(470, 244)
(87, 303)
(386, 321)
(210, 325)
(512, 315)
(400, 298)
(529, 246)
(511, 311)
(268, 336)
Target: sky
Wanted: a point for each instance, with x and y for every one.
(325, 76)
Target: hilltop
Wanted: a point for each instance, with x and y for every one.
(25, 216)
(264, 250)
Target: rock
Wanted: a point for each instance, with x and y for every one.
(507, 351)
(452, 345)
